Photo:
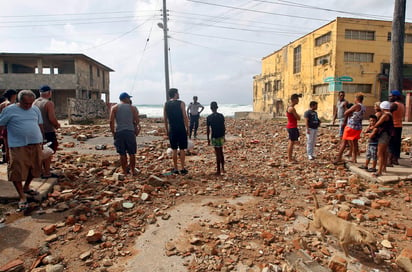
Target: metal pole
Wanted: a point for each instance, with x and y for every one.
(166, 49)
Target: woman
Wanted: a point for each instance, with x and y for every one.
(378, 111)
(385, 127)
(353, 129)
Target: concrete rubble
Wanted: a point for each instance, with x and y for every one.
(105, 211)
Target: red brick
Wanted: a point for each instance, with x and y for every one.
(340, 197)
(344, 215)
(408, 232)
(337, 264)
(290, 212)
(375, 205)
(49, 229)
(384, 202)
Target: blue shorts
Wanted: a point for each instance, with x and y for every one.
(293, 134)
(371, 153)
(125, 141)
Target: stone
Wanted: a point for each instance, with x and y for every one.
(337, 264)
(55, 268)
(404, 260)
(386, 244)
(49, 229)
(408, 232)
(118, 176)
(85, 255)
(94, 236)
(52, 238)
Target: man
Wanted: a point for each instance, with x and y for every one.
(396, 139)
(24, 132)
(339, 111)
(216, 128)
(125, 127)
(176, 124)
(292, 126)
(50, 124)
(194, 114)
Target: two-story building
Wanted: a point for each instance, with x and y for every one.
(76, 80)
(346, 54)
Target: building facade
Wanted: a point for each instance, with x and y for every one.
(346, 54)
(71, 76)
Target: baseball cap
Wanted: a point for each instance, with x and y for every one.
(44, 88)
(124, 95)
(396, 93)
(385, 105)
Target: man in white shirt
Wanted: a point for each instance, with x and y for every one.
(194, 114)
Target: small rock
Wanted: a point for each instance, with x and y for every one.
(404, 260)
(94, 236)
(85, 255)
(386, 243)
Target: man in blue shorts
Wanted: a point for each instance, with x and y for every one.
(176, 124)
(216, 123)
(125, 127)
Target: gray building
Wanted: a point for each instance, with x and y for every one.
(76, 79)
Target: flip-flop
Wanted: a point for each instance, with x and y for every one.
(52, 175)
(22, 206)
(363, 167)
(31, 192)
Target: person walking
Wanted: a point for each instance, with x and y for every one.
(193, 111)
(292, 126)
(396, 139)
(24, 125)
(339, 111)
(312, 124)
(50, 124)
(176, 125)
(125, 127)
(216, 127)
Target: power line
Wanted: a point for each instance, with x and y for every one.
(69, 14)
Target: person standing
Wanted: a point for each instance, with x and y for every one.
(396, 139)
(353, 129)
(292, 125)
(216, 124)
(176, 124)
(10, 95)
(50, 124)
(340, 109)
(24, 125)
(125, 127)
(194, 113)
(312, 124)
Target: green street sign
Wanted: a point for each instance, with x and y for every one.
(345, 78)
(329, 79)
(335, 86)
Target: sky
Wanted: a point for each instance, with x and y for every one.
(215, 46)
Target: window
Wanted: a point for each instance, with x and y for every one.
(322, 39)
(276, 85)
(296, 59)
(408, 38)
(358, 57)
(359, 35)
(321, 89)
(355, 88)
(322, 60)
(389, 36)
(268, 87)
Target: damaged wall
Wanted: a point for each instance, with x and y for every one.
(83, 110)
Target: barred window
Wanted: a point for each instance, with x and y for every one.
(323, 39)
(297, 59)
(321, 89)
(276, 85)
(322, 60)
(358, 57)
(355, 88)
(359, 35)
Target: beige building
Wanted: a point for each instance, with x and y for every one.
(73, 77)
(346, 54)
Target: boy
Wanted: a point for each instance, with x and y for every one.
(372, 134)
(292, 125)
(216, 121)
(312, 124)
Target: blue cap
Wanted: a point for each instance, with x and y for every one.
(44, 88)
(124, 95)
(396, 93)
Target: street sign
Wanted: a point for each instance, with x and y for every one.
(335, 86)
(345, 78)
(329, 79)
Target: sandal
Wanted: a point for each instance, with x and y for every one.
(31, 192)
(364, 167)
(52, 175)
(23, 206)
(372, 170)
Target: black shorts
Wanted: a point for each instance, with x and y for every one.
(293, 134)
(178, 139)
(51, 137)
(125, 141)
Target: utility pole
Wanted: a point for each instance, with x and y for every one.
(397, 40)
(166, 50)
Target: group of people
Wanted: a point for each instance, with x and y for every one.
(26, 123)
(384, 132)
(125, 126)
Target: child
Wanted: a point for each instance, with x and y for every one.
(372, 134)
(216, 122)
(292, 125)
(312, 124)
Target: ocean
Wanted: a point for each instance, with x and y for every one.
(228, 110)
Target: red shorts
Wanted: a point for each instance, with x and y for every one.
(351, 134)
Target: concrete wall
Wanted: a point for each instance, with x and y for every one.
(83, 110)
